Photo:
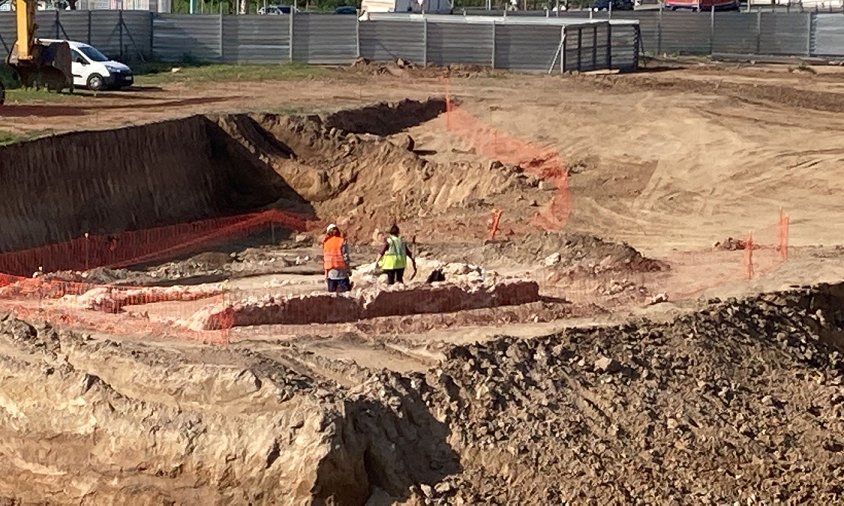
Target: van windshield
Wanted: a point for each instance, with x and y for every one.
(93, 54)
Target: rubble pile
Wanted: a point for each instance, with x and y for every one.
(111, 299)
(568, 253)
(730, 244)
(740, 403)
(457, 272)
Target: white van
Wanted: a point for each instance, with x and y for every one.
(94, 70)
(405, 6)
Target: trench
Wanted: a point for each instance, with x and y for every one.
(158, 190)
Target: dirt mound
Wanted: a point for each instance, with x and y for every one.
(364, 304)
(365, 181)
(339, 167)
(402, 68)
(568, 253)
(386, 119)
(829, 101)
(739, 403)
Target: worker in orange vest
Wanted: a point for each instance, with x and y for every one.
(335, 253)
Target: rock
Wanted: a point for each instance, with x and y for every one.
(357, 201)
(426, 489)
(659, 298)
(443, 488)
(408, 143)
(302, 238)
(606, 364)
(552, 259)
(495, 165)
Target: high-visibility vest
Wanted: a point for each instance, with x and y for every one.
(396, 255)
(332, 252)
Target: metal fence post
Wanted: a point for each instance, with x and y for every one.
(290, 33)
(151, 34)
(595, 46)
(357, 37)
(637, 32)
(562, 49)
(579, 48)
(758, 31)
(424, 42)
(220, 39)
(659, 32)
(711, 30)
(609, 46)
(120, 22)
(493, 44)
(811, 37)
(57, 23)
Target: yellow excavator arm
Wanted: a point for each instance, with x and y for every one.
(25, 13)
(38, 64)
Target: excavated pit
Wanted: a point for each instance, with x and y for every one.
(102, 419)
(165, 176)
(107, 182)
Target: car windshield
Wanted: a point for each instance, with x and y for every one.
(93, 54)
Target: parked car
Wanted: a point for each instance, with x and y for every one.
(93, 70)
(617, 5)
(702, 5)
(346, 9)
(277, 10)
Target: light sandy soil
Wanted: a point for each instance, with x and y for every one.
(688, 156)
(669, 161)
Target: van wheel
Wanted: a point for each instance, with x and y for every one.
(95, 82)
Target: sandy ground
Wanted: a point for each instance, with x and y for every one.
(669, 161)
(684, 155)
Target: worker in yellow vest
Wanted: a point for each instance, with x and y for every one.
(394, 255)
(335, 253)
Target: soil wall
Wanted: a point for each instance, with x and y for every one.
(58, 188)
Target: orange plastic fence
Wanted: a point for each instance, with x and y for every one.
(543, 162)
(496, 220)
(27, 292)
(540, 161)
(34, 296)
(130, 248)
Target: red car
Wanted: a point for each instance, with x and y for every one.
(702, 5)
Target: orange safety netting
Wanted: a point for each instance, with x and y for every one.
(139, 246)
(542, 162)
(762, 252)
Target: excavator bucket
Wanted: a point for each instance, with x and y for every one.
(50, 66)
